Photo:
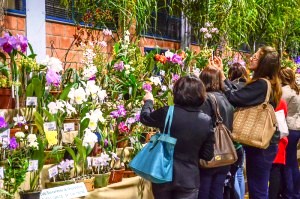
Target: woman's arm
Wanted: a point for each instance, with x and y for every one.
(153, 118)
(250, 95)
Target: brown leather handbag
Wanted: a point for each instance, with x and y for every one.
(224, 151)
(254, 126)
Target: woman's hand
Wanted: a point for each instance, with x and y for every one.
(219, 64)
(148, 96)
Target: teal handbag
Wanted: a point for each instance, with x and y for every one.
(155, 161)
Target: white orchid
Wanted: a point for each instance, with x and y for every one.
(77, 96)
(89, 139)
(31, 138)
(155, 80)
(19, 120)
(169, 54)
(53, 63)
(20, 135)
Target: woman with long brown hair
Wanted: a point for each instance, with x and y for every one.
(265, 63)
(291, 94)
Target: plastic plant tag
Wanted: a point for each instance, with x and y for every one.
(69, 127)
(49, 126)
(31, 101)
(53, 171)
(1, 173)
(4, 138)
(89, 161)
(33, 165)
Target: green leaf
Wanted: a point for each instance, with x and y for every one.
(65, 92)
(49, 116)
(39, 122)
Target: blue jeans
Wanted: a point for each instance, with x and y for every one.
(291, 170)
(258, 167)
(239, 183)
(212, 182)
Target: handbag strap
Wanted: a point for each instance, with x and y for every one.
(169, 119)
(215, 108)
(268, 90)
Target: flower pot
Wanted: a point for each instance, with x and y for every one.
(30, 195)
(128, 174)
(6, 100)
(58, 183)
(13, 132)
(101, 180)
(116, 176)
(122, 142)
(54, 158)
(55, 93)
(89, 183)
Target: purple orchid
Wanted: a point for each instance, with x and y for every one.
(115, 114)
(105, 142)
(137, 117)
(121, 112)
(297, 60)
(22, 42)
(298, 70)
(123, 128)
(147, 87)
(13, 144)
(130, 120)
(3, 123)
(176, 59)
(175, 77)
(8, 43)
(119, 66)
(53, 78)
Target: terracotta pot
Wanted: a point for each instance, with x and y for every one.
(13, 131)
(122, 142)
(6, 100)
(55, 93)
(101, 180)
(116, 176)
(30, 195)
(89, 183)
(54, 158)
(58, 183)
(128, 174)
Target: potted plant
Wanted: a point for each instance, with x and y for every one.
(101, 169)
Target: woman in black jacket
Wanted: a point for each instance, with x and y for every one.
(212, 180)
(195, 137)
(264, 63)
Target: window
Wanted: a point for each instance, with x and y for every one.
(54, 11)
(165, 25)
(15, 6)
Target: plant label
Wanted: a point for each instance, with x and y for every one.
(49, 126)
(31, 101)
(69, 127)
(53, 171)
(4, 138)
(65, 192)
(33, 165)
(1, 184)
(1, 173)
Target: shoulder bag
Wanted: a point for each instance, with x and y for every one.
(155, 161)
(254, 126)
(224, 150)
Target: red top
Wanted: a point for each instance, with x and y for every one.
(280, 157)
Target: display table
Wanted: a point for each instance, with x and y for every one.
(129, 188)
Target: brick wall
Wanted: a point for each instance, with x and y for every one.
(59, 38)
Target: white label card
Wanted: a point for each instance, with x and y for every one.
(4, 138)
(65, 192)
(1, 184)
(53, 171)
(31, 101)
(69, 127)
(1, 173)
(33, 165)
(49, 126)
(89, 161)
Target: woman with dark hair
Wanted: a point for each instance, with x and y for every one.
(291, 94)
(265, 63)
(238, 75)
(212, 179)
(194, 133)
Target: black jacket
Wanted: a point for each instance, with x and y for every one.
(226, 109)
(195, 138)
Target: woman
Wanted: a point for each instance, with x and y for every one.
(291, 94)
(265, 63)
(212, 180)
(195, 137)
(235, 188)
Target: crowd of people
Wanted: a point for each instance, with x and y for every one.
(271, 173)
